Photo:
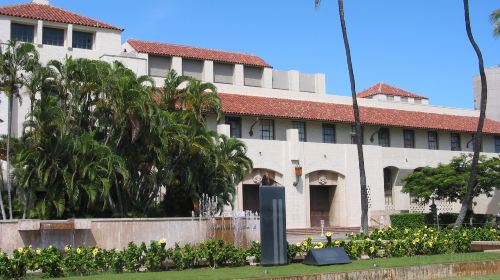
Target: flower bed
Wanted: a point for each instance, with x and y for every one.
(215, 253)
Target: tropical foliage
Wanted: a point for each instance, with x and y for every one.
(390, 242)
(101, 141)
(495, 20)
(448, 182)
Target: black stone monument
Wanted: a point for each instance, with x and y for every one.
(274, 247)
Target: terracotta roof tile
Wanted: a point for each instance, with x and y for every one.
(51, 13)
(307, 110)
(386, 89)
(165, 49)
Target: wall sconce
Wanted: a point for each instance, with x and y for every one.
(250, 132)
(298, 174)
(373, 134)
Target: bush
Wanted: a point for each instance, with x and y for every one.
(133, 257)
(409, 220)
(419, 220)
(50, 261)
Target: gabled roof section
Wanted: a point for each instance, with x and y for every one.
(386, 89)
(164, 49)
(235, 104)
(51, 13)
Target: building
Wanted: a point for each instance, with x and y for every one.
(285, 118)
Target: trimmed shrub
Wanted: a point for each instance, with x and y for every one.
(409, 220)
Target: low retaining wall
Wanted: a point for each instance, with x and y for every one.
(480, 246)
(424, 272)
(117, 233)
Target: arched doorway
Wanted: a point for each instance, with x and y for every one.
(249, 188)
(326, 199)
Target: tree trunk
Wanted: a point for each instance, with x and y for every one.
(357, 120)
(9, 134)
(4, 217)
(478, 137)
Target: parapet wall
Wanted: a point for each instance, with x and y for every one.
(117, 233)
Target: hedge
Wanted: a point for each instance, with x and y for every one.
(416, 220)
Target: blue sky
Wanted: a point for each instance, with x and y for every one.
(420, 46)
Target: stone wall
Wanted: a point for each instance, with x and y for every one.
(117, 233)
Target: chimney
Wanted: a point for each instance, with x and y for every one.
(41, 2)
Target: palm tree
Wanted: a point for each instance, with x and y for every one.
(172, 91)
(16, 59)
(478, 136)
(495, 20)
(357, 121)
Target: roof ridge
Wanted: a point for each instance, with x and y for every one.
(186, 46)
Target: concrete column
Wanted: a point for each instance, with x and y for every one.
(39, 33)
(239, 75)
(411, 100)
(425, 101)
(177, 64)
(292, 138)
(267, 78)
(320, 83)
(69, 37)
(293, 80)
(224, 129)
(208, 71)
(397, 98)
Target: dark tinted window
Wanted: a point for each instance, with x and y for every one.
(329, 133)
(432, 140)
(82, 40)
(455, 142)
(497, 144)
(53, 36)
(384, 138)
(267, 129)
(409, 138)
(22, 32)
(235, 126)
(301, 126)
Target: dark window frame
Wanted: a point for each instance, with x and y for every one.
(49, 36)
(235, 126)
(269, 131)
(455, 142)
(409, 138)
(433, 144)
(23, 34)
(384, 132)
(78, 43)
(332, 137)
(302, 128)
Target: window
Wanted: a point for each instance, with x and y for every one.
(390, 97)
(83, 40)
(159, 65)
(353, 135)
(409, 138)
(433, 140)
(301, 126)
(235, 126)
(455, 142)
(53, 36)
(418, 101)
(22, 33)
(497, 144)
(404, 99)
(192, 68)
(267, 129)
(384, 138)
(329, 133)
(253, 76)
(223, 73)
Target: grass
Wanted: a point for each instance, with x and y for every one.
(295, 269)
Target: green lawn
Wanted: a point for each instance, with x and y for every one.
(295, 269)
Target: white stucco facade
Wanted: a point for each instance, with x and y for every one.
(328, 169)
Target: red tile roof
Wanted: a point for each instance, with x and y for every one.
(196, 53)
(386, 89)
(51, 13)
(235, 104)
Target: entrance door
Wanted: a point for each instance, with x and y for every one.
(320, 205)
(251, 198)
